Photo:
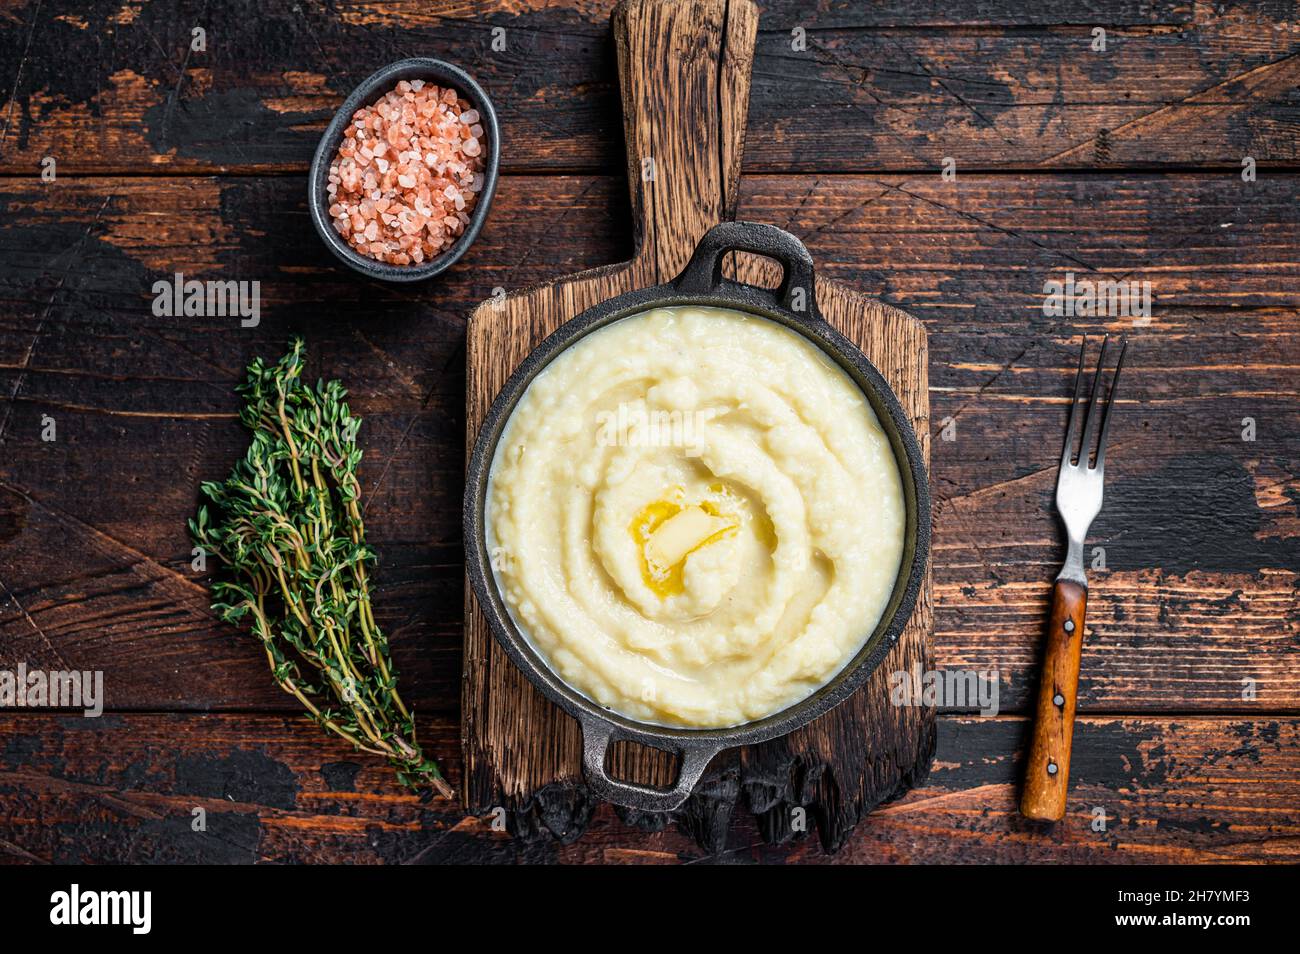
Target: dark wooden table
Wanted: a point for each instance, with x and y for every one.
(1123, 163)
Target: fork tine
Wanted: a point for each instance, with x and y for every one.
(1072, 428)
(1094, 402)
(1110, 401)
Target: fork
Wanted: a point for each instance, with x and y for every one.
(1078, 501)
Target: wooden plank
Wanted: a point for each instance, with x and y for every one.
(1200, 590)
(874, 86)
(123, 788)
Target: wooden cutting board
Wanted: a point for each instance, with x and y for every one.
(684, 70)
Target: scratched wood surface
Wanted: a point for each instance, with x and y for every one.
(168, 162)
(896, 85)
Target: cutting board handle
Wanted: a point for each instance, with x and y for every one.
(684, 68)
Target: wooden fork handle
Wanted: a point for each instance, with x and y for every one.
(1047, 771)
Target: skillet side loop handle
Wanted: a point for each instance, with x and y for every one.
(694, 758)
(703, 273)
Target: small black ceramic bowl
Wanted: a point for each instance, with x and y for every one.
(368, 93)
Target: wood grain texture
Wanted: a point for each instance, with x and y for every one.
(870, 87)
(1047, 769)
(123, 788)
(1198, 601)
(1199, 589)
(685, 73)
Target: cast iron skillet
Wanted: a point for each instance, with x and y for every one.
(701, 283)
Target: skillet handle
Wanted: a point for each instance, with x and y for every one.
(694, 758)
(703, 273)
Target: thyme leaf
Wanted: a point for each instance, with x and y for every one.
(286, 527)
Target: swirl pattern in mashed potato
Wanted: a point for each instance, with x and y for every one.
(695, 517)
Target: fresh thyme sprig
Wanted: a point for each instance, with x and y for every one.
(286, 526)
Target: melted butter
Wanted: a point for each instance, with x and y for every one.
(665, 581)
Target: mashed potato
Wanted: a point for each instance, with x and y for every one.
(695, 517)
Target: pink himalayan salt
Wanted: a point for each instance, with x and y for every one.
(408, 174)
